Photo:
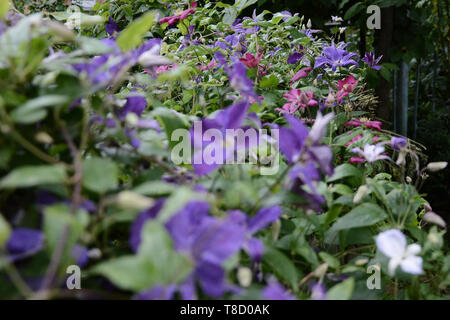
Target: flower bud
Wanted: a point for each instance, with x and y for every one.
(132, 200)
(321, 270)
(309, 24)
(434, 218)
(408, 180)
(276, 227)
(362, 191)
(43, 137)
(436, 166)
(244, 276)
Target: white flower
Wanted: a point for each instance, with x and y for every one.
(392, 243)
(371, 152)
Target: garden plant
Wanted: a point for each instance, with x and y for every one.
(117, 173)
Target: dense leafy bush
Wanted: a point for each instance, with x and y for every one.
(88, 118)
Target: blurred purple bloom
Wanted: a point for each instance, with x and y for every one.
(230, 118)
(318, 291)
(111, 27)
(370, 59)
(398, 143)
(80, 254)
(275, 291)
(293, 58)
(158, 293)
(240, 82)
(24, 242)
(334, 57)
(134, 104)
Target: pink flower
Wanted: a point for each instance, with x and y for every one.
(300, 99)
(253, 100)
(209, 66)
(354, 140)
(183, 15)
(368, 124)
(287, 108)
(357, 160)
(302, 73)
(348, 85)
(250, 61)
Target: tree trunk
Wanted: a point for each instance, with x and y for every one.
(382, 44)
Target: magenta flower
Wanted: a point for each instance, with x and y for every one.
(368, 124)
(302, 73)
(174, 19)
(250, 61)
(296, 98)
(348, 85)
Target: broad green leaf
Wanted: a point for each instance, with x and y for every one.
(133, 35)
(155, 263)
(176, 202)
(5, 231)
(329, 259)
(100, 175)
(59, 220)
(269, 81)
(155, 188)
(342, 291)
(281, 265)
(30, 176)
(343, 171)
(33, 110)
(230, 15)
(170, 121)
(4, 7)
(366, 214)
(354, 10)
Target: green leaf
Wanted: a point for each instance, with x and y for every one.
(59, 220)
(155, 263)
(329, 259)
(176, 202)
(269, 81)
(170, 121)
(366, 214)
(5, 231)
(34, 111)
(230, 15)
(342, 291)
(4, 7)
(133, 35)
(100, 175)
(30, 176)
(343, 171)
(281, 265)
(354, 10)
(155, 188)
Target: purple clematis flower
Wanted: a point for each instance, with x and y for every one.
(335, 57)
(318, 291)
(275, 291)
(134, 104)
(303, 148)
(24, 242)
(370, 59)
(157, 293)
(230, 118)
(253, 246)
(208, 240)
(80, 254)
(111, 27)
(240, 82)
(398, 143)
(293, 58)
